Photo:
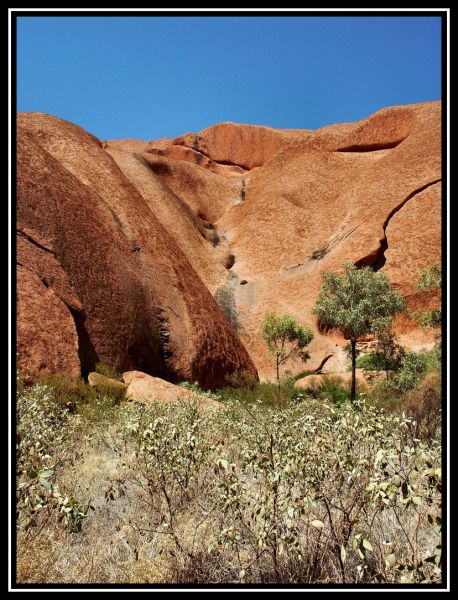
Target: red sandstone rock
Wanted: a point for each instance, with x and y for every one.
(246, 146)
(144, 388)
(312, 207)
(140, 302)
(47, 341)
(231, 205)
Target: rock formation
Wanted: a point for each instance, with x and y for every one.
(164, 256)
(121, 290)
(145, 388)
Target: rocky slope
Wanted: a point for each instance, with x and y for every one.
(101, 279)
(164, 256)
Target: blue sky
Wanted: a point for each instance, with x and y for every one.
(151, 77)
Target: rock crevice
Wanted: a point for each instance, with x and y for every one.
(377, 259)
(370, 147)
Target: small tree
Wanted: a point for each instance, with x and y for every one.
(358, 302)
(430, 279)
(388, 352)
(286, 339)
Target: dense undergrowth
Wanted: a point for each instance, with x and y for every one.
(277, 486)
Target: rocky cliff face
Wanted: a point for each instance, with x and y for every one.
(101, 279)
(164, 256)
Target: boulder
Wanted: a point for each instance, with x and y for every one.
(145, 388)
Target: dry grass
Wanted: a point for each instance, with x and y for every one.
(109, 549)
(424, 403)
(132, 536)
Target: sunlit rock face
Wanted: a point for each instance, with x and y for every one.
(164, 256)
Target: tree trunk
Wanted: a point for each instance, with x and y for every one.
(353, 370)
(278, 371)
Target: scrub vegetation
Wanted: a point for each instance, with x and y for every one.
(275, 484)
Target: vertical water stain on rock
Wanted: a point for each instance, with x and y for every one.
(242, 191)
(225, 298)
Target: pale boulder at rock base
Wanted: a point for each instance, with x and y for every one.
(145, 388)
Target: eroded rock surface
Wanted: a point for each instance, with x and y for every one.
(132, 295)
(166, 255)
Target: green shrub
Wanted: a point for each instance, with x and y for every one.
(430, 279)
(388, 351)
(433, 359)
(69, 392)
(242, 379)
(103, 406)
(302, 374)
(330, 388)
(258, 495)
(245, 388)
(94, 403)
(333, 389)
(266, 394)
(391, 394)
(286, 339)
(413, 367)
(195, 387)
(385, 395)
(388, 355)
(43, 448)
(265, 490)
(369, 362)
(423, 404)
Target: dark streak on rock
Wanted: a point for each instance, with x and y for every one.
(29, 238)
(86, 352)
(377, 259)
(323, 362)
(370, 147)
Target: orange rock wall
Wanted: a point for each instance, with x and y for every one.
(140, 303)
(180, 246)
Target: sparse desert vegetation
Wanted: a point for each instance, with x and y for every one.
(277, 485)
(258, 482)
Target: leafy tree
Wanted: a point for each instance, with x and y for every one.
(414, 365)
(389, 353)
(286, 339)
(430, 279)
(358, 302)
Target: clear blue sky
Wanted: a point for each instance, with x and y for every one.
(150, 77)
